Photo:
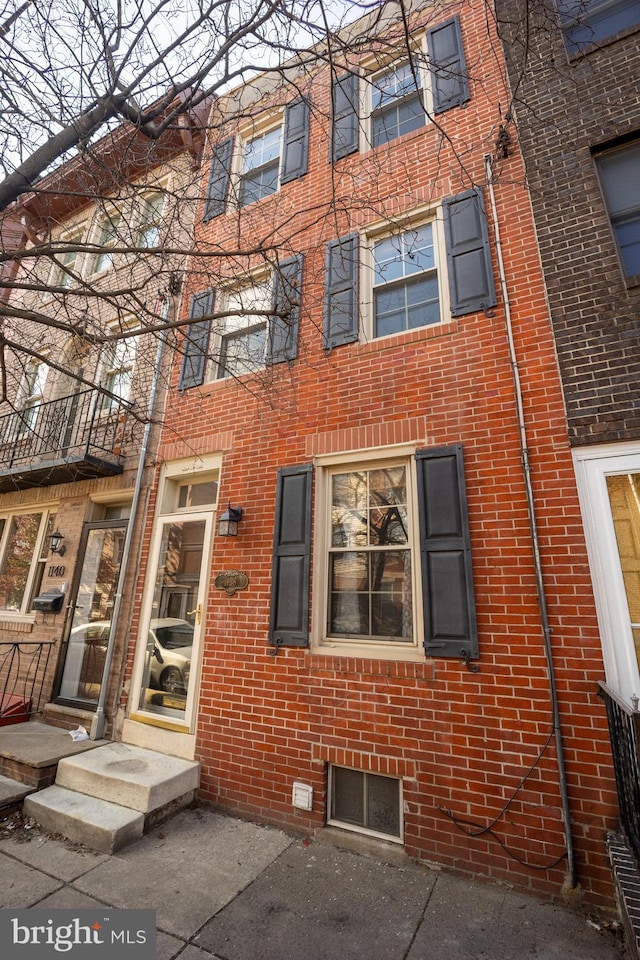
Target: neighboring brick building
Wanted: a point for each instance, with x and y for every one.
(348, 381)
(72, 423)
(574, 77)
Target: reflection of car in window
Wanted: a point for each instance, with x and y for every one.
(170, 643)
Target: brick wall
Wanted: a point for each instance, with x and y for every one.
(476, 747)
(564, 108)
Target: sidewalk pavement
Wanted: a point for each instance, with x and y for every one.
(232, 890)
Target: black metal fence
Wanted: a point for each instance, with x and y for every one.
(23, 669)
(82, 425)
(624, 731)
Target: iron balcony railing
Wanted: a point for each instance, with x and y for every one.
(70, 437)
(624, 731)
(23, 669)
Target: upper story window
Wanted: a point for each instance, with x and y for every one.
(106, 237)
(117, 375)
(260, 167)
(22, 555)
(275, 157)
(619, 171)
(243, 333)
(65, 273)
(396, 103)
(587, 22)
(31, 394)
(405, 287)
(404, 277)
(148, 234)
(400, 95)
(257, 325)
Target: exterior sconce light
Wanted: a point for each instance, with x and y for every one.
(228, 523)
(56, 543)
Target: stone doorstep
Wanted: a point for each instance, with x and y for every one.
(627, 881)
(12, 793)
(102, 826)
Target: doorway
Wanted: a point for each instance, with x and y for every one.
(81, 672)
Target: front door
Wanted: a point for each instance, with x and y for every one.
(81, 674)
(172, 625)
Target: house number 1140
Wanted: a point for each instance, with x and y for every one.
(56, 571)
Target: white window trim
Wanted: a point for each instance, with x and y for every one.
(70, 235)
(374, 72)
(23, 615)
(138, 223)
(592, 466)
(246, 134)
(382, 230)
(260, 278)
(367, 649)
(127, 326)
(92, 259)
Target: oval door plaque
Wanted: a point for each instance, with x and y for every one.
(230, 581)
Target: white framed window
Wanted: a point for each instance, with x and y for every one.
(106, 236)
(619, 172)
(260, 166)
(117, 372)
(31, 395)
(609, 489)
(241, 336)
(150, 220)
(365, 802)
(404, 279)
(23, 551)
(368, 556)
(63, 275)
(397, 102)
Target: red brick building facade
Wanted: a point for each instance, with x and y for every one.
(370, 374)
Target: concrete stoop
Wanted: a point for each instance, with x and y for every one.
(106, 798)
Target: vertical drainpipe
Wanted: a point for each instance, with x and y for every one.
(542, 602)
(98, 722)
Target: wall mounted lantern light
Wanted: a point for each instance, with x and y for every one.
(56, 544)
(228, 523)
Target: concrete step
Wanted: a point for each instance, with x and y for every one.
(139, 779)
(103, 826)
(12, 793)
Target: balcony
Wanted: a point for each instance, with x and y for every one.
(71, 438)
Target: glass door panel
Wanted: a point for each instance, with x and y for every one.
(624, 496)
(176, 615)
(85, 654)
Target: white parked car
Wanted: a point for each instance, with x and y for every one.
(169, 646)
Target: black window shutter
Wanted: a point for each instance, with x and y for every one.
(296, 141)
(289, 622)
(471, 283)
(447, 584)
(218, 179)
(344, 121)
(196, 341)
(341, 292)
(449, 82)
(284, 325)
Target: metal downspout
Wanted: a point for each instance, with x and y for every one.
(542, 602)
(97, 725)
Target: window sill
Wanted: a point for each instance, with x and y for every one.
(394, 340)
(404, 653)
(28, 619)
(633, 282)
